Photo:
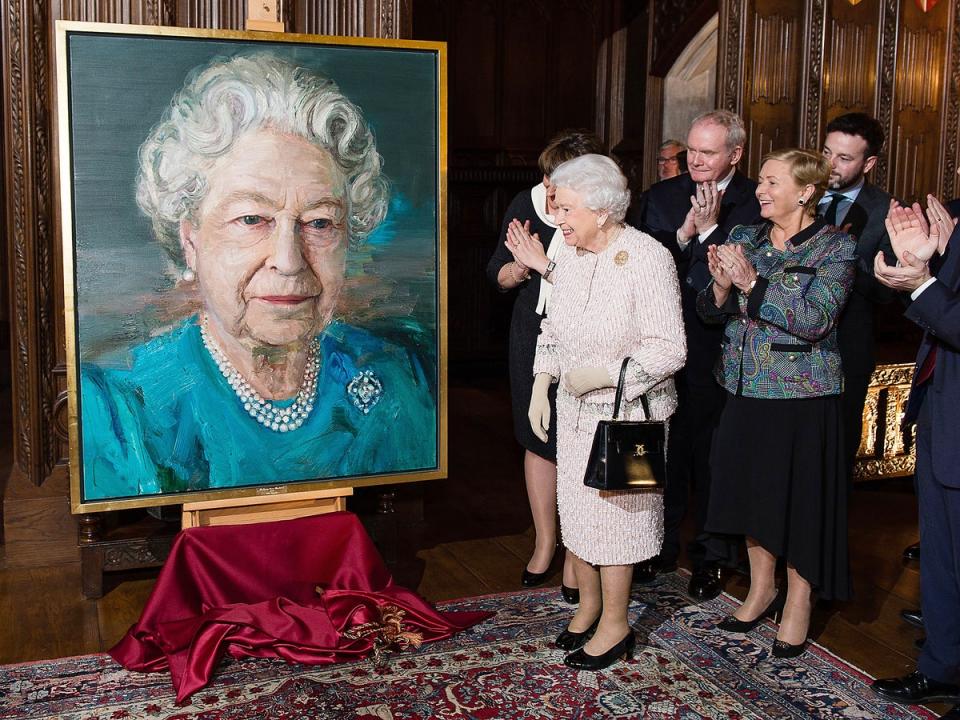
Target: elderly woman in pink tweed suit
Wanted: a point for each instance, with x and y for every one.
(615, 295)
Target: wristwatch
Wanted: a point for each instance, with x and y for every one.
(750, 289)
(549, 271)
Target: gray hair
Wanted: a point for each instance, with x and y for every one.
(731, 122)
(598, 181)
(231, 96)
(672, 143)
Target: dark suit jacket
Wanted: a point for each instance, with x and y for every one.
(666, 205)
(855, 329)
(937, 311)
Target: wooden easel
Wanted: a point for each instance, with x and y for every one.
(264, 508)
(265, 15)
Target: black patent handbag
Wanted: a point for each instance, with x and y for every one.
(628, 455)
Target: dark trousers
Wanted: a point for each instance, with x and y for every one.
(940, 567)
(688, 475)
(852, 401)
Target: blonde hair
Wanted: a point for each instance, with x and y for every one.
(806, 168)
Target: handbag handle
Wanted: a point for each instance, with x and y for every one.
(619, 395)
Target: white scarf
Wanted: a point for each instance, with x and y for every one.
(538, 194)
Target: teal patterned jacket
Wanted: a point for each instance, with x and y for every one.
(780, 341)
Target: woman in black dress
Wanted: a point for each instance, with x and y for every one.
(523, 260)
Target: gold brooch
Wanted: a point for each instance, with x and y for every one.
(621, 257)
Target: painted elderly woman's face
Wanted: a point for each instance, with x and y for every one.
(268, 242)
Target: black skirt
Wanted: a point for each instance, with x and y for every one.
(524, 329)
(778, 476)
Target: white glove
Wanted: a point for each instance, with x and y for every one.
(539, 412)
(582, 380)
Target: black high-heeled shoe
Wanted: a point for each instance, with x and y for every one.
(731, 623)
(785, 650)
(532, 579)
(569, 640)
(582, 660)
(569, 594)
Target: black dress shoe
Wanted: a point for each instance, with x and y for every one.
(664, 565)
(705, 584)
(732, 623)
(569, 594)
(785, 650)
(912, 552)
(582, 660)
(569, 640)
(645, 572)
(913, 616)
(915, 689)
(530, 579)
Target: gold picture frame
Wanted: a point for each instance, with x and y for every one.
(150, 416)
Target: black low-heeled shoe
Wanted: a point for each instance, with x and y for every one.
(785, 650)
(582, 660)
(532, 579)
(731, 623)
(569, 594)
(569, 640)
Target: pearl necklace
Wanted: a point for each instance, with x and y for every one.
(283, 419)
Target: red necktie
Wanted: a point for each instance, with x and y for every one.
(926, 370)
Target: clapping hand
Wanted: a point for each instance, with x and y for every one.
(705, 205)
(910, 234)
(736, 265)
(704, 210)
(721, 278)
(938, 216)
(526, 249)
(910, 274)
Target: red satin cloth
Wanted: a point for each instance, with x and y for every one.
(250, 590)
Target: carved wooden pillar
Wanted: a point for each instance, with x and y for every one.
(951, 116)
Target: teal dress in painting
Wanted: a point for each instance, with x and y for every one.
(171, 423)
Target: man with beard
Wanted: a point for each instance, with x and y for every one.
(853, 142)
(687, 214)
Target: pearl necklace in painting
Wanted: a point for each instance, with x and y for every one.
(278, 419)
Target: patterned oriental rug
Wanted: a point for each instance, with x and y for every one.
(503, 669)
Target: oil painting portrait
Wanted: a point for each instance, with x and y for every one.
(255, 258)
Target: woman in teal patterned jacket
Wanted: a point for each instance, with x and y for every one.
(777, 456)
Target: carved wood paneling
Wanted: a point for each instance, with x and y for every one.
(760, 141)
(851, 61)
(911, 153)
(775, 44)
(918, 81)
(916, 147)
(883, 57)
(336, 18)
(218, 14)
(136, 12)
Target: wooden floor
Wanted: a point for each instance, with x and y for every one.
(475, 538)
